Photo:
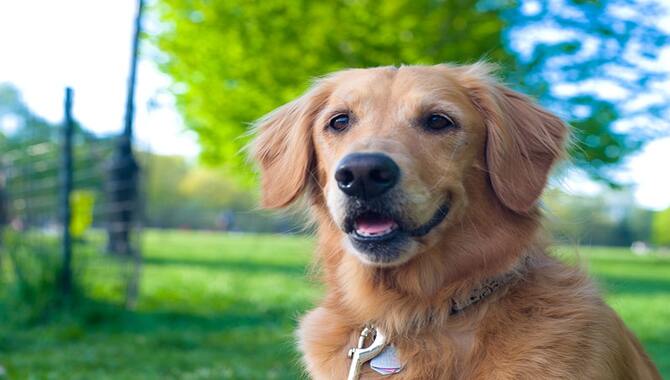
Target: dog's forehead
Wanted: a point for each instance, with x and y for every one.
(351, 86)
(389, 84)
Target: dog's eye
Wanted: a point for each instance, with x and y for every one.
(437, 122)
(339, 122)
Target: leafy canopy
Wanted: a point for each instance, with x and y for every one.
(233, 61)
(595, 63)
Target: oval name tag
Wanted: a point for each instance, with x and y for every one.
(387, 363)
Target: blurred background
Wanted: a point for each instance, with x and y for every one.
(131, 245)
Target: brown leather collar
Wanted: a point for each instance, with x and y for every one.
(488, 287)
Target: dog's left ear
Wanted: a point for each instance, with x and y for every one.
(523, 143)
(284, 149)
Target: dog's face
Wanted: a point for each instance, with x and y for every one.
(393, 147)
(391, 153)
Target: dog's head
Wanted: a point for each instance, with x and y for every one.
(396, 155)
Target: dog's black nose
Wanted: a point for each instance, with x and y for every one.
(366, 175)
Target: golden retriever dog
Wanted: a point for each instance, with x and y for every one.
(424, 182)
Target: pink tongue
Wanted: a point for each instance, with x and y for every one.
(374, 226)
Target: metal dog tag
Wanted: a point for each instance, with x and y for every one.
(361, 355)
(387, 362)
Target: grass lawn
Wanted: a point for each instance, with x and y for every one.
(218, 306)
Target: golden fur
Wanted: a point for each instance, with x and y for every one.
(549, 324)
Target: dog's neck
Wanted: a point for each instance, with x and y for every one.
(423, 291)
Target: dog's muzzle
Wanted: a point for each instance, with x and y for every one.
(375, 223)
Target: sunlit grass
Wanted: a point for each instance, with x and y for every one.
(225, 306)
(638, 288)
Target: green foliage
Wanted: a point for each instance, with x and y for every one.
(607, 219)
(591, 61)
(222, 306)
(181, 194)
(214, 189)
(29, 279)
(233, 61)
(661, 228)
(161, 183)
(30, 127)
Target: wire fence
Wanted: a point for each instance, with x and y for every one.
(66, 194)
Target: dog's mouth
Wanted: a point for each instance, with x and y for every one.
(381, 236)
(372, 225)
(376, 225)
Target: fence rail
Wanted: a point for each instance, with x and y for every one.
(58, 191)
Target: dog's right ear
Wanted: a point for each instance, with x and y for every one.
(284, 148)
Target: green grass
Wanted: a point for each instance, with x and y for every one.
(218, 306)
(638, 288)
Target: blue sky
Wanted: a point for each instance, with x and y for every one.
(85, 44)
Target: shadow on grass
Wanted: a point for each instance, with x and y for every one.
(653, 263)
(249, 341)
(243, 327)
(232, 265)
(612, 284)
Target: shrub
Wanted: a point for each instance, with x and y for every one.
(661, 228)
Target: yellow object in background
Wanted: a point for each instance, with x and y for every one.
(82, 202)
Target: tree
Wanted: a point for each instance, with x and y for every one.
(26, 127)
(593, 62)
(180, 194)
(211, 189)
(233, 61)
(161, 182)
(608, 218)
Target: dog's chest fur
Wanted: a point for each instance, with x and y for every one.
(551, 326)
